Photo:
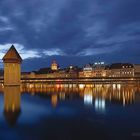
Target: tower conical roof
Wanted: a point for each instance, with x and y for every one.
(12, 56)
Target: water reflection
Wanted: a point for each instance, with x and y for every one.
(100, 105)
(12, 107)
(88, 95)
(54, 100)
(96, 96)
(92, 94)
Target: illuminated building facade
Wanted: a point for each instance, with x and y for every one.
(121, 70)
(87, 71)
(12, 68)
(54, 66)
(137, 70)
(70, 72)
(96, 70)
(99, 69)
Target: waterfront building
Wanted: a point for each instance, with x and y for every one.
(87, 71)
(99, 69)
(137, 70)
(121, 70)
(96, 70)
(12, 67)
(72, 71)
(44, 70)
(25, 74)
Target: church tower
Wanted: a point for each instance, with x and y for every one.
(12, 67)
(54, 66)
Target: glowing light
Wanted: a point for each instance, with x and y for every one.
(114, 86)
(30, 86)
(119, 86)
(104, 74)
(57, 86)
(88, 99)
(54, 65)
(81, 86)
(89, 85)
(71, 67)
(70, 85)
(100, 104)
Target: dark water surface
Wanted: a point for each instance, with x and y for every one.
(70, 112)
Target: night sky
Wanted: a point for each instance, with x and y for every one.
(70, 31)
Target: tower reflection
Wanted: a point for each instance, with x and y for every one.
(12, 108)
(54, 100)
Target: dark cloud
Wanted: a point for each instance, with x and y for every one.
(72, 30)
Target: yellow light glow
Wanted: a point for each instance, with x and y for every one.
(81, 86)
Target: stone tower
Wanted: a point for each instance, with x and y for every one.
(12, 67)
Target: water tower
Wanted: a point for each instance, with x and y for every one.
(12, 67)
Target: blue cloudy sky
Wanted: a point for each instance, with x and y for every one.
(70, 31)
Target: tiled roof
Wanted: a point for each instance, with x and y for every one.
(12, 55)
(121, 65)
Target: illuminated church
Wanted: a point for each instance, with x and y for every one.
(54, 66)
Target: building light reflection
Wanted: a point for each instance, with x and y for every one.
(114, 86)
(81, 86)
(119, 86)
(88, 99)
(100, 104)
(62, 96)
(115, 93)
(70, 86)
(58, 86)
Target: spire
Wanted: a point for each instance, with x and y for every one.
(12, 56)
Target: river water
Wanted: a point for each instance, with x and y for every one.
(70, 112)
